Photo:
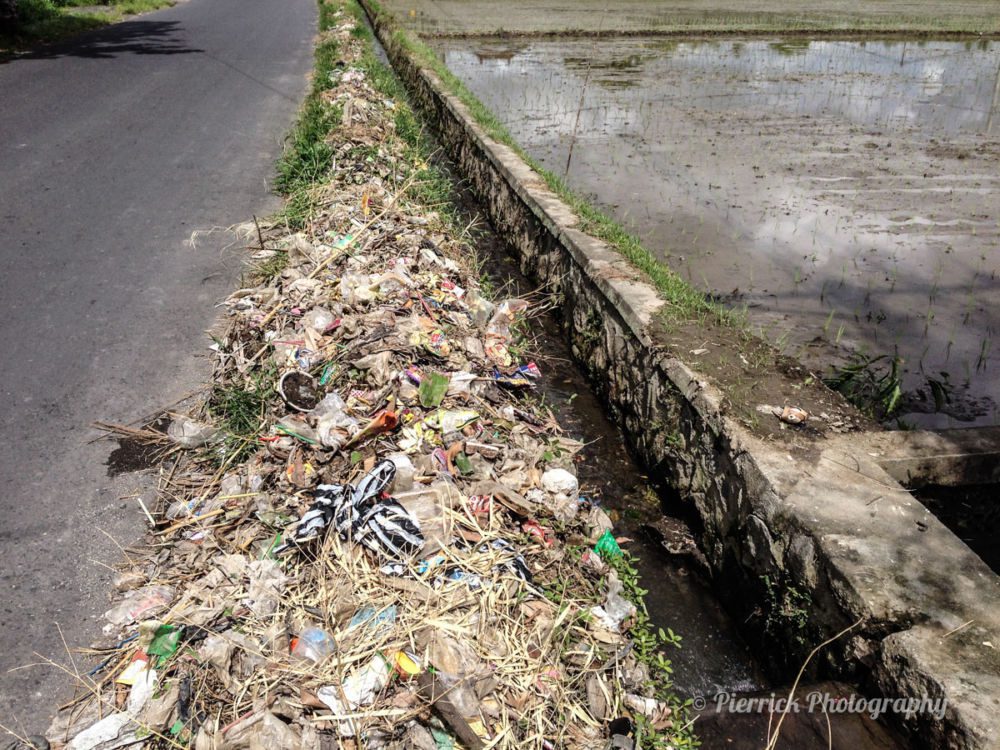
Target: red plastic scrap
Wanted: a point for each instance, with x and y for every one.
(538, 532)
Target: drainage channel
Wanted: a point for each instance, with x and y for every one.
(713, 657)
(714, 667)
(727, 682)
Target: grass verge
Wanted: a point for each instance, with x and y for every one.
(42, 21)
(308, 156)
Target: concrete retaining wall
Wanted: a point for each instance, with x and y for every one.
(807, 531)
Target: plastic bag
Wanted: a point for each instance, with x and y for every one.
(319, 319)
(334, 426)
(141, 604)
(188, 433)
(607, 546)
(266, 583)
(361, 688)
(355, 288)
(563, 488)
(462, 382)
(558, 481)
(313, 644)
(405, 472)
(378, 366)
(480, 309)
(498, 334)
(393, 281)
(616, 609)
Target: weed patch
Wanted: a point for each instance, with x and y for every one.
(873, 384)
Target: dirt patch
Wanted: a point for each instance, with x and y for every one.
(133, 455)
(754, 376)
(139, 452)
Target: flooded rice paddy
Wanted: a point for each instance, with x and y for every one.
(488, 17)
(843, 192)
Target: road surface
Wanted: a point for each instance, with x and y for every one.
(114, 148)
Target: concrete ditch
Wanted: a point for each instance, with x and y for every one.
(803, 527)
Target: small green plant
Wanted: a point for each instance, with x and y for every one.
(873, 384)
(649, 643)
(271, 267)
(786, 610)
(239, 410)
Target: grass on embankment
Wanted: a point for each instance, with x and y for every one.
(42, 21)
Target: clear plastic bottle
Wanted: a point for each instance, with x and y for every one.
(314, 644)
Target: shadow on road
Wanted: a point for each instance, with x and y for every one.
(128, 37)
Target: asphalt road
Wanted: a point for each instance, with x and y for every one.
(115, 148)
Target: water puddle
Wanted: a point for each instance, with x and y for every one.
(843, 192)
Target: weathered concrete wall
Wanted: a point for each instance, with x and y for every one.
(808, 534)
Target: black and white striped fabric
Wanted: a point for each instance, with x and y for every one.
(365, 514)
(389, 530)
(328, 499)
(370, 489)
(516, 565)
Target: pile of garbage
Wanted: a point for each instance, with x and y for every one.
(372, 534)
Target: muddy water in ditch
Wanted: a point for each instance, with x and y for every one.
(713, 657)
(714, 667)
(844, 192)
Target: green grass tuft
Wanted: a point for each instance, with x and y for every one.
(308, 156)
(240, 411)
(270, 268)
(41, 21)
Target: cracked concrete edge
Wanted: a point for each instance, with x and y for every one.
(842, 528)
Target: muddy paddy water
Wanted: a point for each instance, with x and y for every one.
(844, 192)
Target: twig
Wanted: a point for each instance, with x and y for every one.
(773, 739)
(952, 632)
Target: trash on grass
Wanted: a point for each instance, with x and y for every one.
(375, 540)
